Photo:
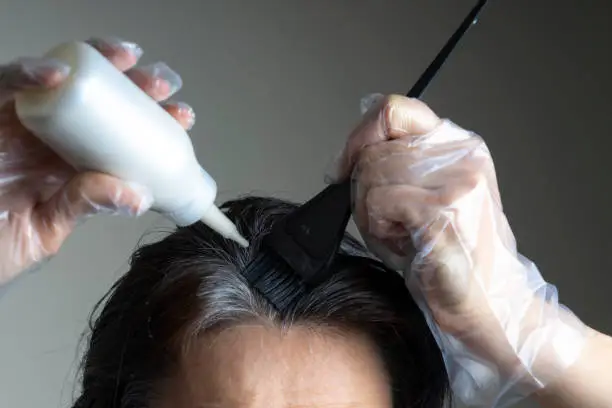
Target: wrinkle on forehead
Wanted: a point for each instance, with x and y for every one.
(259, 366)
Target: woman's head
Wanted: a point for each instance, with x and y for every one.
(184, 329)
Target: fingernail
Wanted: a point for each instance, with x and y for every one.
(115, 42)
(46, 64)
(144, 205)
(187, 110)
(133, 48)
(40, 70)
(164, 72)
(333, 172)
(370, 101)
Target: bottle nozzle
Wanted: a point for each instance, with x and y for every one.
(239, 239)
(217, 220)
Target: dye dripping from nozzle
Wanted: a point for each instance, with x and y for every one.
(308, 239)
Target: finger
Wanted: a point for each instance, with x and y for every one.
(122, 54)
(407, 228)
(383, 164)
(451, 150)
(414, 228)
(92, 193)
(393, 163)
(85, 195)
(426, 214)
(382, 209)
(158, 80)
(31, 73)
(393, 117)
(182, 112)
(413, 206)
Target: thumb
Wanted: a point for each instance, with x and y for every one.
(384, 118)
(30, 73)
(85, 195)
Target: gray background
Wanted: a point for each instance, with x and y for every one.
(276, 85)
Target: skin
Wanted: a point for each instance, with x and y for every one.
(41, 208)
(586, 383)
(380, 149)
(48, 212)
(256, 366)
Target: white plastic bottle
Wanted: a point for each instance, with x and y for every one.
(98, 119)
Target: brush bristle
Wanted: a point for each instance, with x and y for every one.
(275, 280)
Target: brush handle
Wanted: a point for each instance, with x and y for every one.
(432, 70)
(418, 89)
(308, 239)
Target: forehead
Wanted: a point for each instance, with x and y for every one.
(255, 366)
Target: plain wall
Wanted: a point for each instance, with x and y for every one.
(276, 85)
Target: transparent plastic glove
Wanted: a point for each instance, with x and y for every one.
(426, 201)
(41, 197)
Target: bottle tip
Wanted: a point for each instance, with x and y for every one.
(218, 221)
(239, 239)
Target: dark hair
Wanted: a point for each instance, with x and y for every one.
(190, 282)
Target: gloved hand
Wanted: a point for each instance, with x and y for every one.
(41, 197)
(427, 203)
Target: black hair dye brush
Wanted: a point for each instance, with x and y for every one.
(302, 246)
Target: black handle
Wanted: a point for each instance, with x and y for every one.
(308, 239)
